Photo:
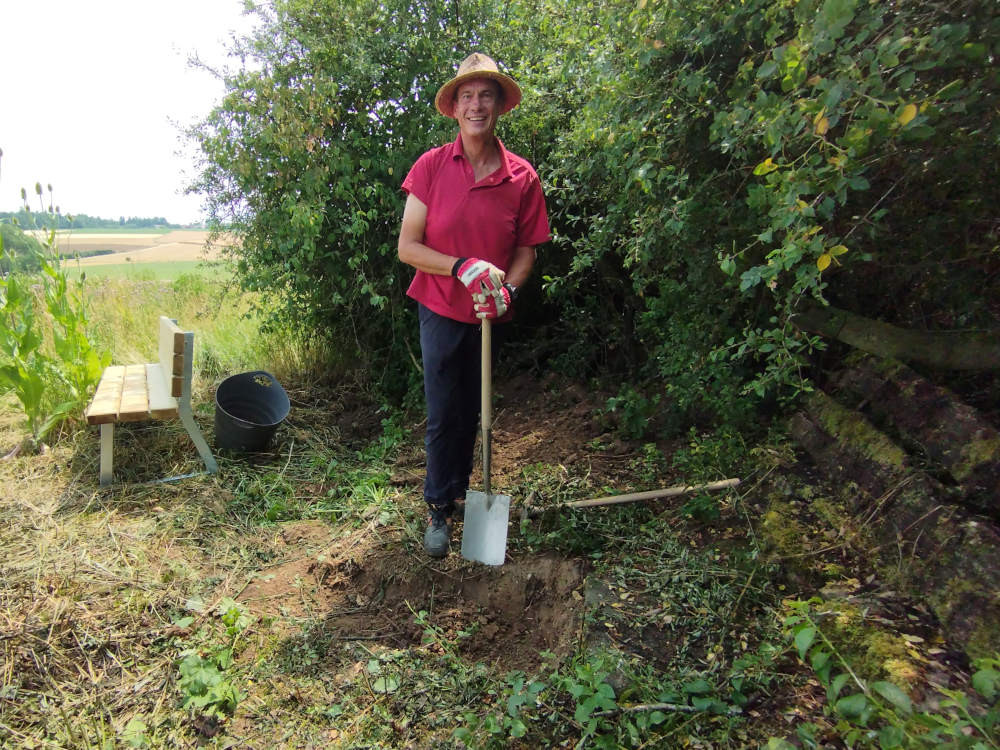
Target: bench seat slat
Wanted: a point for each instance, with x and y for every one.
(135, 395)
(103, 407)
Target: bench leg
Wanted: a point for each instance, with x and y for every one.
(107, 452)
(187, 419)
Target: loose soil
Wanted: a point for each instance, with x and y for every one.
(371, 582)
(500, 616)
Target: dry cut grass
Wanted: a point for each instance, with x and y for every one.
(92, 579)
(97, 583)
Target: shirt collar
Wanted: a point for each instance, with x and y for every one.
(505, 172)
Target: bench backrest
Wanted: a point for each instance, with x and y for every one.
(172, 352)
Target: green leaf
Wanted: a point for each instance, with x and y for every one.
(852, 706)
(708, 704)
(134, 733)
(767, 69)
(951, 90)
(819, 659)
(765, 167)
(890, 737)
(385, 684)
(750, 278)
(894, 695)
(804, 639)
(697, 687)
(986, 682)
(583, 711)
(836, 686)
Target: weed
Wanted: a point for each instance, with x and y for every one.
(633, 411)
(651, 465)
(708, 457)
(203, 679)
(47, 358)
(879, 713)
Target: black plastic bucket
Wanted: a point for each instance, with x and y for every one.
(248, 409)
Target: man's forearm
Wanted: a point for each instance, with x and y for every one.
(521, 266)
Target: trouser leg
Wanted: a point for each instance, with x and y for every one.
(450, 352)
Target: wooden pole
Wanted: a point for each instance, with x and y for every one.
(636, 496)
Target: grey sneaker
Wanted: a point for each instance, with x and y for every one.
(438, 534)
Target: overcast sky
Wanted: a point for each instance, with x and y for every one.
(90, 91)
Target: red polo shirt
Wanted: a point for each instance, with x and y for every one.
(488, 219)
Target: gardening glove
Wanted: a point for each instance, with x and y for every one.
(493, 304)
(478, 275)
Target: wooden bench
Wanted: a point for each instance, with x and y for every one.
(160, 390)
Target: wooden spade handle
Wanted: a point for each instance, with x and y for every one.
(486, 402)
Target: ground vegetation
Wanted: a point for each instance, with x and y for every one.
(716, 173)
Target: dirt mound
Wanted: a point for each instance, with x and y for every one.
(502, 616)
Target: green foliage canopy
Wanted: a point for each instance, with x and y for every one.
(708, 164)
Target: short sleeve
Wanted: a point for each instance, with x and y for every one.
(418, 180)
(533, 219)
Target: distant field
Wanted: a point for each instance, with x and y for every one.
(139, 247)
(129, 230)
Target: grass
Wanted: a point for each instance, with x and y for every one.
(138, 272)
(286, 602)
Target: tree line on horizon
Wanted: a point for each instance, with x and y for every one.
(28, 219)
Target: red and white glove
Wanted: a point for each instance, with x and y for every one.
(493, 304)
(478, 275)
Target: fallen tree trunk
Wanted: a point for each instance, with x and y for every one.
(950, 435)
(948, 350)
(939, 552)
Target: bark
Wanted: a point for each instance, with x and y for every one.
(951, 436)
(938, 551)
(948, 350)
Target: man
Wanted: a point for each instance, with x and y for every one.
(473, 217)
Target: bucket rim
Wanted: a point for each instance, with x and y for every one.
(244, 422)
(285, 404)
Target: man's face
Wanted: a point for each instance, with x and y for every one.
(477, 106)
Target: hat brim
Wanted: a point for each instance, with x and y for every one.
(445, 99)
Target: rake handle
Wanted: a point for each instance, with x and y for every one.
(636, 496)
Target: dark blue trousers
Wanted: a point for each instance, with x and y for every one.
(451, 353)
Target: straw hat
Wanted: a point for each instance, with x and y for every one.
(477, 65)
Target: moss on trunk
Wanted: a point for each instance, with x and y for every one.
(928, 546)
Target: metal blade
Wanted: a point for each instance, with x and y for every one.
(484, 533)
